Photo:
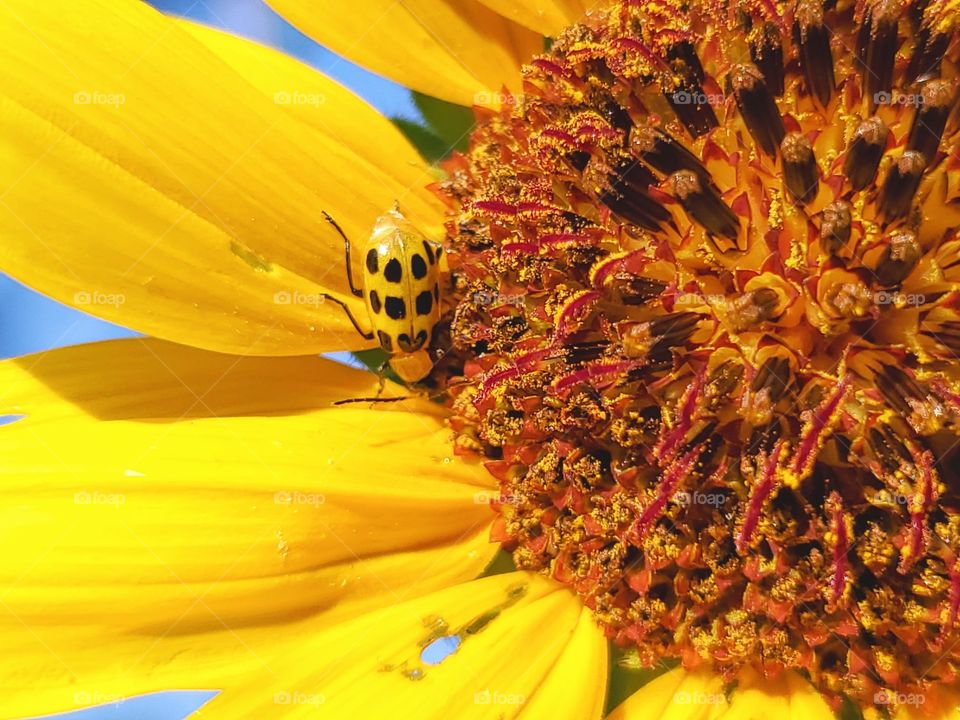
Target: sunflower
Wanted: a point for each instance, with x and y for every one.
(694, 367)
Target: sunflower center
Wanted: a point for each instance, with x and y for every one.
(708, 275)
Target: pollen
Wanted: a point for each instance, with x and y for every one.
(708, 318)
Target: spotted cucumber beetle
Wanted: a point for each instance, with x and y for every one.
(401, 289)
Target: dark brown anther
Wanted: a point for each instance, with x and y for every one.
(928, 51)
(673, 329)
(725, 379)
(936, 102)
(915, 12)
(947, 334)
(901, 184)
(578, 159)
(614, 113)
(864, 153)
(702, 203)
(623, 189)
(635, 290)
(585, 351)
(641, 210)
(812, 37)
(898, 388)
(692, 107)
(775, 376)
(684, 58)
(898, 259)
(887, 448)
(630, 175)
(835, 227)
(800, 174)
(766, 51)
(758, 108)
(877, 49)
(664, 153)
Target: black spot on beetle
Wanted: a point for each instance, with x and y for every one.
(375, 303)
(407, 345)
(429, 251)
(385, 342)
(393, 271)
(424, 303)
(396, 308)
(436, 292)
(373, 262)
(418, 267)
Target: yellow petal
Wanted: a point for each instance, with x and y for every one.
(787, 696)
(329, 108)
(548, 17)
(162, 530)
(675, 695)
(457, 50)
(519, 639)
(566, 687)
(144, 179)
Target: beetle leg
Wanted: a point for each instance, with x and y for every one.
(346, 252)
(365, 334)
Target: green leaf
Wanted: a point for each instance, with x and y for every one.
(849, 710)
(431, 147)
(451, 123)
(502, 563)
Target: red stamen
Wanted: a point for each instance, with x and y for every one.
(597, 371)
(840, 527)
(920, 505)
(573, 312)
(670, 439)
(815, 434)
(631, 262)
(761, 490)
(495, 207)
(668, 486)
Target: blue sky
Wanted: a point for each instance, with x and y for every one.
(30, 322)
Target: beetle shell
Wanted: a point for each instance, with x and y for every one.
(401, 284)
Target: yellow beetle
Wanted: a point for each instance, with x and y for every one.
(401, 289)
